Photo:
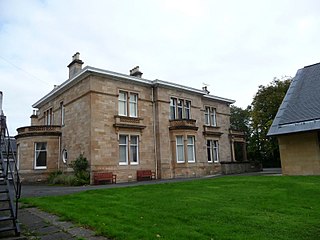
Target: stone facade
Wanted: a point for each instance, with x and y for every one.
(85, 108)
(300, 157)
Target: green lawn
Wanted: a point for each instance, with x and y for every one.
(253, 207)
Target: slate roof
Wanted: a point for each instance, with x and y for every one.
(300, 108)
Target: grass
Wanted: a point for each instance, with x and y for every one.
(223, 208)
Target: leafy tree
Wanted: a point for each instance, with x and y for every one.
(264, 108)
(240, 119)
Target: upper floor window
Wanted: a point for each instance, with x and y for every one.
(40, 155)
(210, 116)
(128, 104)
(180, 109)
(48, 117)
(62, 112)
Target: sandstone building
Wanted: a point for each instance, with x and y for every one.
(297, 124)
(124, 123)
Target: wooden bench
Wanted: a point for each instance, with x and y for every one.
(145, 175)
(104, 177)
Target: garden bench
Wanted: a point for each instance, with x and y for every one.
(145, 175)
(104, 177)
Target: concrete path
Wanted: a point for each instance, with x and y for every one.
(39, 225)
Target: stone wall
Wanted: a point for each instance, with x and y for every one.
(240, 167)
(300, 153)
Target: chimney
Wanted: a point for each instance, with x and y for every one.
(205, 88)
(34, 118)
(75, 66)
(136, 72)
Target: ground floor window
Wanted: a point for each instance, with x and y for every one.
(40, 155)
(213, 151)
(185, 147)
(180, 149)
(191, 149)
(128, 149)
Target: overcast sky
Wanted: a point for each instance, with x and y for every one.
(232, 46)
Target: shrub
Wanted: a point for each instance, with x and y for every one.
(53, 175)
(80, 167)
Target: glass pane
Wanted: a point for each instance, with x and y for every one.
(41, 160)
(180, 157)
(123, 153)
(190, 140)
(134, 139)
(133, 97)
(123, 139)
(133, 109)
(133, 154)
(41, 146)
(213, 117)
(122, 96)
(190, 153)
(209, 154)
(187, 109)
(179, 140)
(180, 109)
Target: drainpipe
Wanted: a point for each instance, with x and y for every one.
(59, 156)
(154, 131)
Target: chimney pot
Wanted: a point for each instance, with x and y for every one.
(75, 66)
(136, 72)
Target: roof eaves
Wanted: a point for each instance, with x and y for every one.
(61, 87)
(174, 85)
(227, 100)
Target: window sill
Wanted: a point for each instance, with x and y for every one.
(123, 164)
(134, 163)
(40, 168)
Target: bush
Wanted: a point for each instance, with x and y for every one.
(80, 177)
(53, 175)
(80, 167)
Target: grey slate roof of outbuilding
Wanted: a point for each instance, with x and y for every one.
(300, 108)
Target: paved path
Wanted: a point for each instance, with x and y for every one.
(39, 225)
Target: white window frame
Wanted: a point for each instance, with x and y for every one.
(133, 102)
(180, 109)
(210, 116)
(213, 150)
(137, 149)
(62, 109)
(191, 146)
(173, 108)
(187, 109)
(128, 148)
(35, 155)
(129, 102)
(48, 117)
(123, 102)
(178, 146)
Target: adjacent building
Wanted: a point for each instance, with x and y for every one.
(297, 124)
(124, 123)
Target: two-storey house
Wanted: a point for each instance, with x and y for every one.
(124, 123)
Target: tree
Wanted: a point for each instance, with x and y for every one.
(240, 119)
(264, 108)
